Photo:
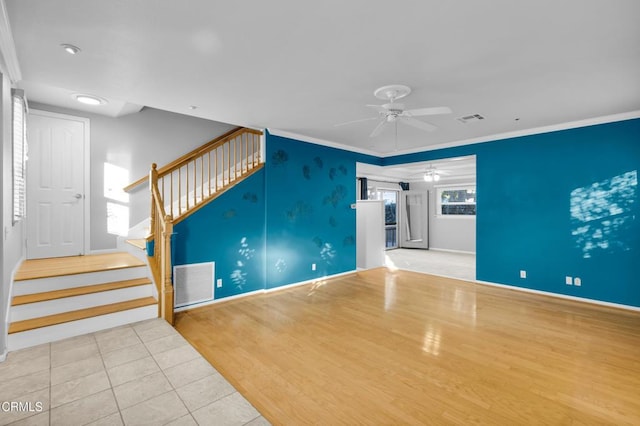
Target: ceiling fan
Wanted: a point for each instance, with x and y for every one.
(392, 111)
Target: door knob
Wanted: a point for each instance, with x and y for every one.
(78, 196)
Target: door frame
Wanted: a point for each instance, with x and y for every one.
(86, 181)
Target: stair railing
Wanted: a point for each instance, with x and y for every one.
(159, 248)
(185, 185)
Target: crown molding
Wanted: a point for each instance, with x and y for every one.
(520, 133)
(7, 47)
(323, 142)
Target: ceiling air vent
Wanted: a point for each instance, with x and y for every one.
(468, 118)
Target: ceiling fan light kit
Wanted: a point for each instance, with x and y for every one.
(431, 176)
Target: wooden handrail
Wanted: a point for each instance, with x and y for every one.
(175, 164)
(204, 173)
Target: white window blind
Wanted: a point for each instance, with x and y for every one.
(19, 155)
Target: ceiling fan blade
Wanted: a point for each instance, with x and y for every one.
(419, 124)
(378, 128)
(428, 111)
(356, 121)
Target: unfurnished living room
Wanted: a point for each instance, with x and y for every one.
(334, 213)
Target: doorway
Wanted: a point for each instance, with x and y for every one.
(57, 185)
(390, 199)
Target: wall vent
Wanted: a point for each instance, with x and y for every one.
(193, 283)
(472, 117)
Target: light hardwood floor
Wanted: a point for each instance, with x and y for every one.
(406, 348)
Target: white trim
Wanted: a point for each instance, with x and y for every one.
(214, 301)
(519, 133)
(3, 356)
(314, 280)
(105, 251)
(561, 296)
(323, 142)
(8, 55)
(490, 138)
(87, 169)
(263, 291)
(452, 251)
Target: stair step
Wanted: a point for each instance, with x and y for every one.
(77, 291)
(31, 324)
(60, 266)
(140, 243)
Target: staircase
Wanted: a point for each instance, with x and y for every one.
(58, 298)
(185, 185)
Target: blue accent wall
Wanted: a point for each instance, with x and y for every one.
(558, 204)
(310, 189)
(229, 231)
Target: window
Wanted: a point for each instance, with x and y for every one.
(457, 200)
(19, 154)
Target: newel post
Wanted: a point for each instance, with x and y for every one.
(167, 285)
(153, 181)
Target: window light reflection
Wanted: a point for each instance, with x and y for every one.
(431, 343)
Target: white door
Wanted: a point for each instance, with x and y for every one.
(56, 181)
(415, 219)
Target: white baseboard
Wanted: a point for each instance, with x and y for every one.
(5, 350)
(562, 296)
(214, 301)
(104, 251)
(451, 251)
(312, 281)
(263, 291)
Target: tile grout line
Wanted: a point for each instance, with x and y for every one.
(173, 388)
(50, 385)
(106, 372)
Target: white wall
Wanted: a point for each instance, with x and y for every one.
(448, 233)
(12, 241)
(134, 142)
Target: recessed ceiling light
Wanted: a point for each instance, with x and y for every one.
(70, 48)
(193, 107)
(89, 99)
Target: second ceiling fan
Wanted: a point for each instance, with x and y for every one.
(392, 111)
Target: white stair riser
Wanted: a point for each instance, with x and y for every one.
(52, 333)
(66, 304)
(79, 280)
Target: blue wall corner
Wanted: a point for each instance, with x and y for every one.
(310, 190)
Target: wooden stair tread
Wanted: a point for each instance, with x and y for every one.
(64, 317)
(140, 243)
(77, 291)
(73, 265)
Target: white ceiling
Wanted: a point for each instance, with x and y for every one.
(302, 67)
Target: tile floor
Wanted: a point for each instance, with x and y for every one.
(139, 374)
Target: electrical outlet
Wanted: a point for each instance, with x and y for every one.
(219, 283)
(313, 266)
(523, 274)
(568, 280)
(577, 281)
